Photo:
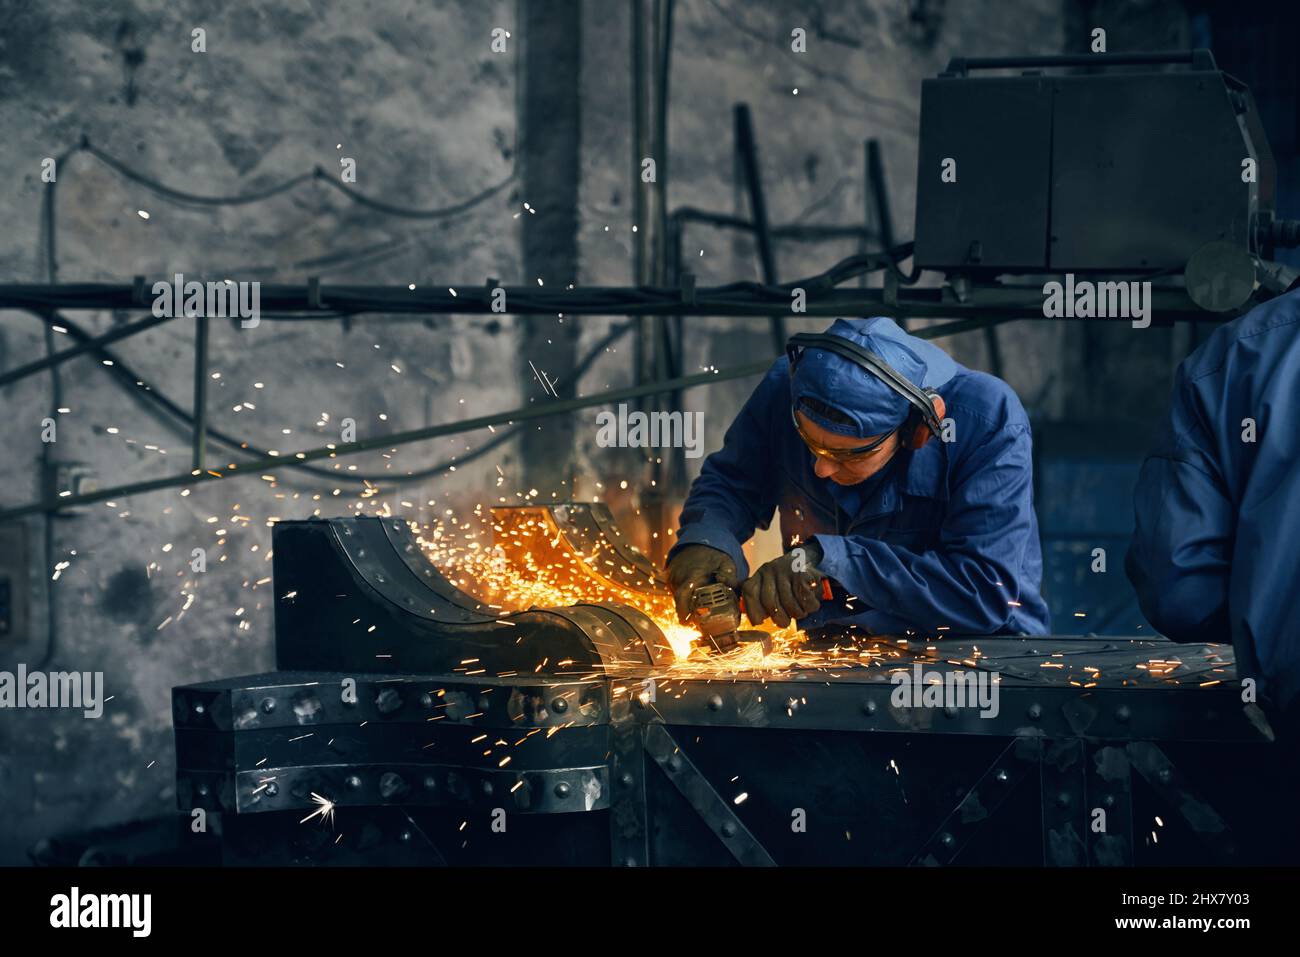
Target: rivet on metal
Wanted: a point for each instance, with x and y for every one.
(1035, 711)
(674, 763)
(353, 782)
(868, 707)
(950, 712)
(1001, 776)
(559, 704)
(715, 702)
(627, 779)
(198, 707)
(729, 828)
(391, 785)
(1122, 713)
(431, 783)
(562, 790)
(947, 840)
(272, 789)
(268, 705)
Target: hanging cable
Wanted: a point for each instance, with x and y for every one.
(317, 173)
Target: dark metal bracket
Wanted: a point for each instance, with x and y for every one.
(628, 829)
(1006, 772)
(701, 796)
(1158, 771)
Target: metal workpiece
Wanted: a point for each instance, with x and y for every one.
(1046, 686)
(1172, 785)
(710, 771)
(357, 595)
(628, 810)
(581, 535)
(1062, 785)
(553, 791)
(849, 703)
(627, 638)
(306, 700)
(384, 552)
(400, 691)
(1108, 788)
(712, 808)
(469, 746)
(1017, 760)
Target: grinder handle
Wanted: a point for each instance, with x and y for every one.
(827, 594)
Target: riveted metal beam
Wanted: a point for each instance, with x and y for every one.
(1062, 781)
(1158, 771)
(308, 700)
(628, 814)
(707, 803)
(1003, 776)
(561, 790)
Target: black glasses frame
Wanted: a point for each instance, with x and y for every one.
(837, 455)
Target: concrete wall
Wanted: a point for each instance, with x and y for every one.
(408, 89)
(412, 92)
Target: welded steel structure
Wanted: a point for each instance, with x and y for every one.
(460, 749)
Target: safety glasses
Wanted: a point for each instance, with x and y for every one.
(837, 455)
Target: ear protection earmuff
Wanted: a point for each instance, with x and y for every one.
(928, 408)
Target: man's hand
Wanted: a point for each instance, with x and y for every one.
(694, 566)
(784, 589)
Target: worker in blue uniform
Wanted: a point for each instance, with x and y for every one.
(902, 477)
(1217, 503)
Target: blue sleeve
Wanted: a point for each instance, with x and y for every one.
(968, 582)
(736, 491)
(1178, 560)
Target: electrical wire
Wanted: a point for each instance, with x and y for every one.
(142, 391)
(134, 383)
(317, 173)
(389, 210)
(190, 199)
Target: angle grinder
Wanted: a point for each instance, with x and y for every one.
(716, 611)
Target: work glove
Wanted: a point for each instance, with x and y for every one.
(694, 566)
(785, 588)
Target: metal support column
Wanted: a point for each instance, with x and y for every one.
(200, 440)
(747, 151)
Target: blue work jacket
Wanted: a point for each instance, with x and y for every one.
(1217, 504)
(944, 540)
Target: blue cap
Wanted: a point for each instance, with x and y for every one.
(842, 384)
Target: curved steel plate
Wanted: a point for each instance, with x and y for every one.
(381, 554)
(583, 536)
